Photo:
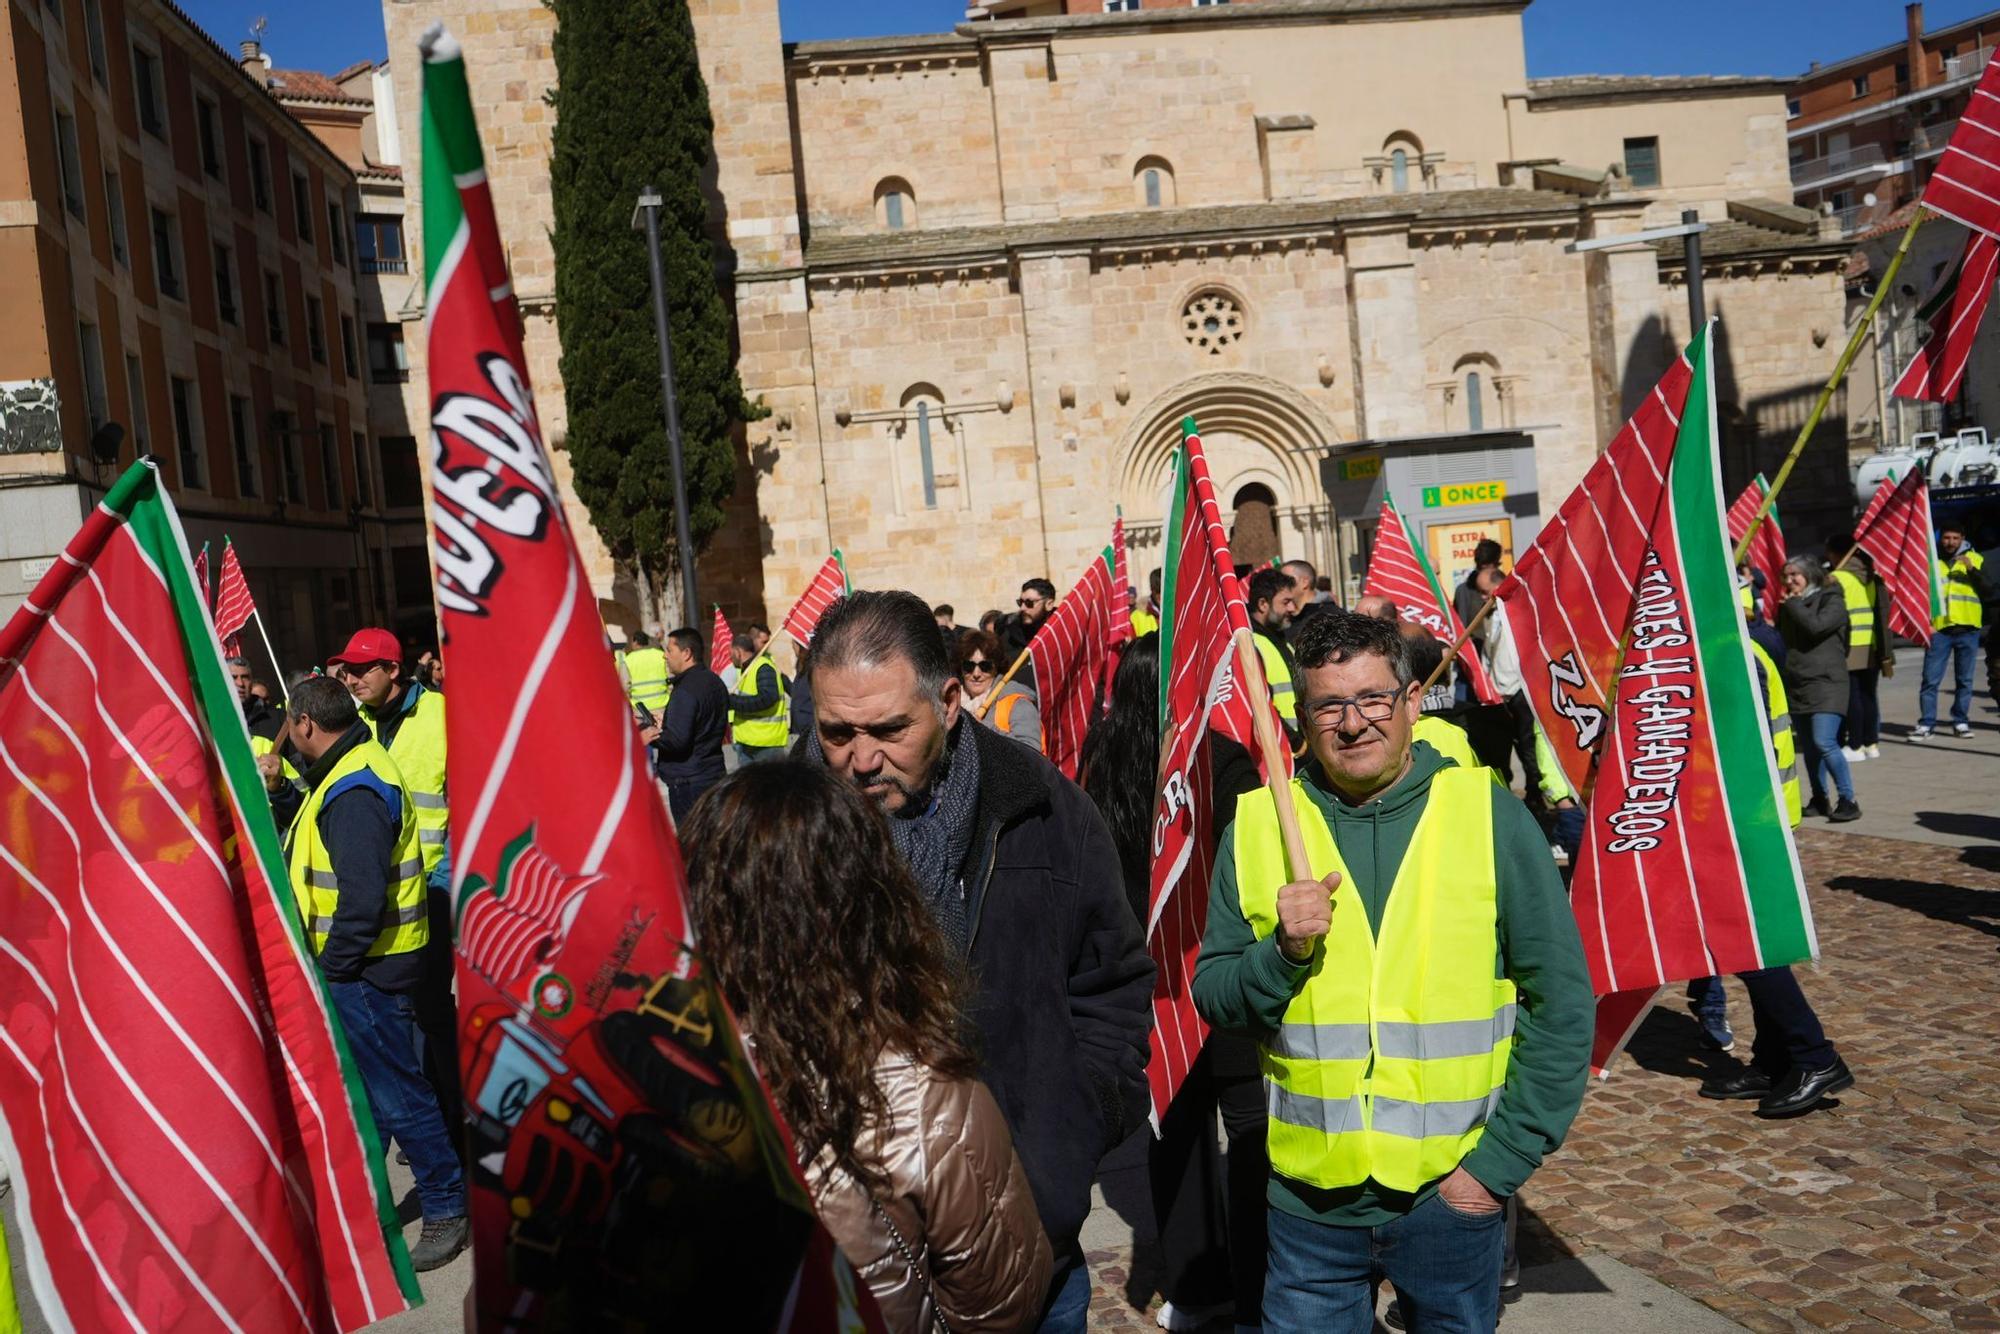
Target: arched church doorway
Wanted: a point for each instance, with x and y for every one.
(1253, 537)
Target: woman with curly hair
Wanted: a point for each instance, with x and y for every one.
(822, 944)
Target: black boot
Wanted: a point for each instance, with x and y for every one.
(1802, 1090)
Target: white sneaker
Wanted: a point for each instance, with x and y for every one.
(1874, 752)
(1961, 729)
(1853, 754)
(1186, 1318)
(1920, 734)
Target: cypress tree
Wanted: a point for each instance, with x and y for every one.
(632, 110)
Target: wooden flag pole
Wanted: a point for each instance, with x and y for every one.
(1250, 673)
(265, 635)
(979, 710)
(1451, 654)
(1847, 355)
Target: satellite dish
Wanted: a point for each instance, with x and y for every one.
(104, 442)
(1869, 199)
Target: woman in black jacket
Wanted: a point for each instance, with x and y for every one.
(1813, 620)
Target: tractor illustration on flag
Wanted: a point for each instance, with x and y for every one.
(611, 1109)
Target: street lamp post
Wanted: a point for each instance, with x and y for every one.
(646, 214)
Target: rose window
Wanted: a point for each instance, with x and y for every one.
(1212, 321)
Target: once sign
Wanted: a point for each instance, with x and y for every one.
(1464, 493)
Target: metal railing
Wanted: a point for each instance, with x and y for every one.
(385, 266)
(1968, 65)
(1809, 171)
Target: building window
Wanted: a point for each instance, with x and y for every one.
(260, 175)
(208, 128)
(378, 243)
(1153, 178)
(1211, 321)
(274, 308)
(316, 329)
(152, 86)
(1204, 4)
(244, 442)
(347, 345)
(336, 233)
(1475, 406)
(402, 479)
(1902, 73)
(93, 30)
(291, 457)
(225, 282)
(388, 361)
(114, 207)
(1861, 85)
(55, 10)
(302, 206)
(135, 386)
(70, 159)
(329, 466)
(1399, 170)
(1791, 108)
(895, 204)
(1642, 162)
(95, 394)
(1121, 6)
(364, 485)
(187, 434)
(166, 254)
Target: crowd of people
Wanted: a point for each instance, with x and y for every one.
(1401, 1031)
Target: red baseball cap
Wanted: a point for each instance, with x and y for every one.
(370, 645)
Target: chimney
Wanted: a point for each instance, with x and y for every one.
(1913, 46)
(253, 60)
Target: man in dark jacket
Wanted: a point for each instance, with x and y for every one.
(354, 826)
(1018, 629)
(687, 743)
(1023, 878)
(1813, 621)
(258, 715)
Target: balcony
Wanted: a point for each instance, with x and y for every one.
(385, 266)
(1968, 65)
(1808, 172)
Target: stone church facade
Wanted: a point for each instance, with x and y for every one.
(980, 277)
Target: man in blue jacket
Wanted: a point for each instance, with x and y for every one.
(687, 742)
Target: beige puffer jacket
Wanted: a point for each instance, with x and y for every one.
(958, 1196)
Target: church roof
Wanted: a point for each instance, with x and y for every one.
(1736, 240)
(1637, 87)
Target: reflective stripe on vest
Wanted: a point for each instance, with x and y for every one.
(1860, 598)
(405, 916)
(646, 677)
(1278, 675)
(1393, 1053)
(1961, 603)
(418, 748)
(770, 726)
(1784, 748)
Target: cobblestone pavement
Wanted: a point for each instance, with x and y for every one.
(1880, 1213)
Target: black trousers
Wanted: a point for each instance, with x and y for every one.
(1209, 1207)
(1863, 723)
(1789, 1035)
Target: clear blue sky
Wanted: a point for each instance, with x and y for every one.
(1564, 36)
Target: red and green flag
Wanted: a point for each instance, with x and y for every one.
(1895, 530)
(1635, 658)
(626, 1168)
(1204, 634)
(1767, 550)
(828, 586)
(1399, 571)
(719, 638)
(1070, 655)
(191, 1146)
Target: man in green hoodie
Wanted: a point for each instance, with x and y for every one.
(1419, 997)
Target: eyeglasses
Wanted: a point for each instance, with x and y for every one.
(1030, 603)
(976, 665)
(1377, 706)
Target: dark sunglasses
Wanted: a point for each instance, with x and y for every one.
(976, 665)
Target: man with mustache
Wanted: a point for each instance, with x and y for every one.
(1020, 872)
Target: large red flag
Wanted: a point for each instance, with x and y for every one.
(1202, 623)
(719, 638)
(1965, 185)
(1633, 650)
(1953, 312)
(1399, 571)
(1895, 531)
(1069, 654)
(190, 1147)
(828, 586)
(1767, 549)
(625, 1165)
(233, 604)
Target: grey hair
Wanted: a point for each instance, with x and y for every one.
(244, 663)
(1811, 568)
(872, 629)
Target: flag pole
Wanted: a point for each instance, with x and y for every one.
(1847, 355)
(265, 635)
(979, 710)
(1250, 670)
(1451, 654)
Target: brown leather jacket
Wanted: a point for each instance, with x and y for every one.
(960, 1200)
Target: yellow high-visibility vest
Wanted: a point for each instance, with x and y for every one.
(770, 726)
(406, 922)
(1144, 622)
(1393, 1053)
(1278, 675)
(1961, 600)
(1860, 597)
(1447, 738)
(1778, 719)
(646, 678)
(418, 748)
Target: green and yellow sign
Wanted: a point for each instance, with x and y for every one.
(1361, 468)
(1464, 493)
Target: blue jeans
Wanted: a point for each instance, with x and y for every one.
(1819, 744)
(1444, 1265)
(382, 1036)
(1960, 643)
(1069, 1294)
